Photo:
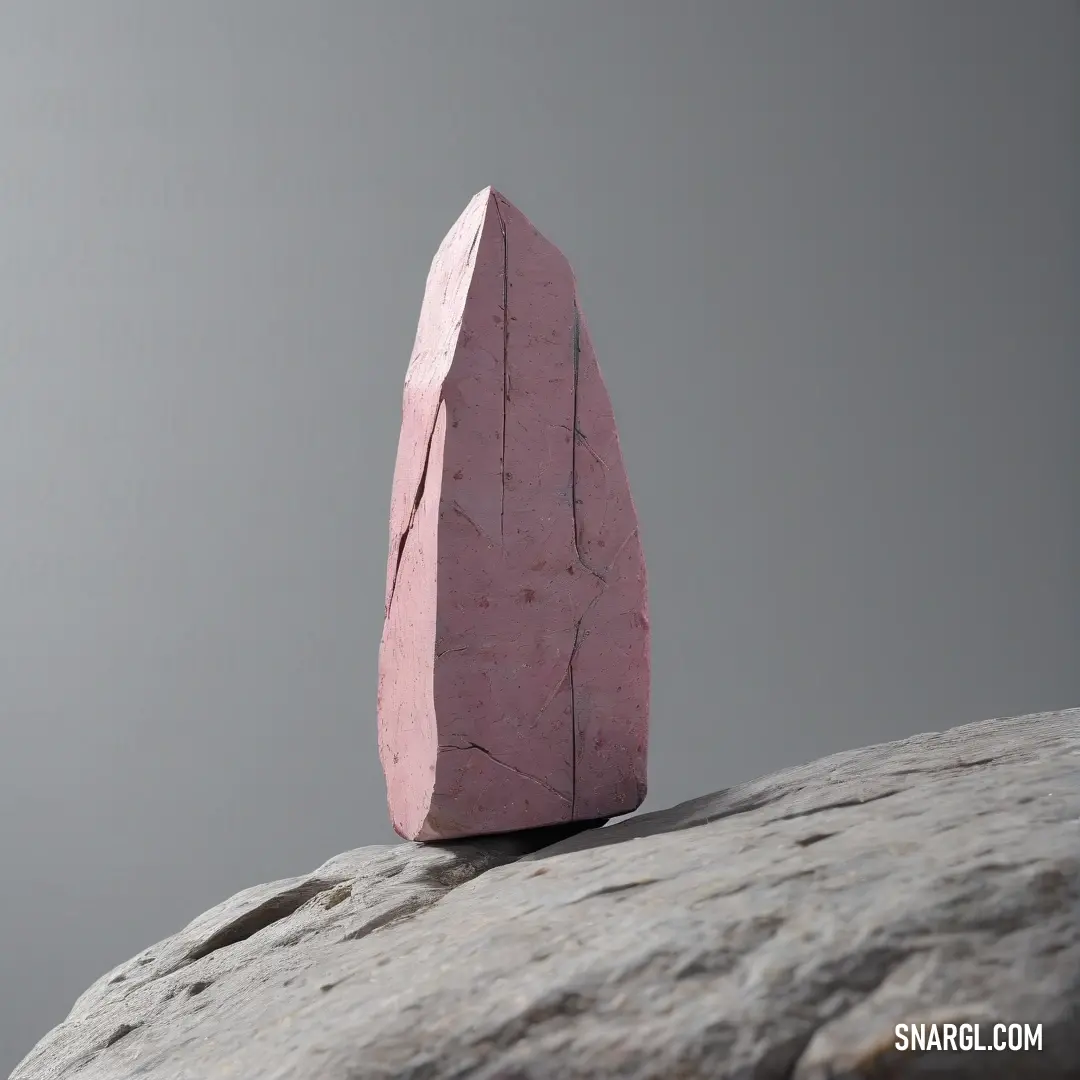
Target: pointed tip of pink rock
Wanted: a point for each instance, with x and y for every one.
(514, 664)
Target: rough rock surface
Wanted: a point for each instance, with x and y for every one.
(514, 665)
(776, 931)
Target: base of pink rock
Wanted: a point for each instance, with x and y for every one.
(514, 664)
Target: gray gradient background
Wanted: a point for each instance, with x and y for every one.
(830, 255)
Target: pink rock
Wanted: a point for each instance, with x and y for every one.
(514, 665)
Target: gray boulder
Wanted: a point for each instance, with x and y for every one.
(779, 930)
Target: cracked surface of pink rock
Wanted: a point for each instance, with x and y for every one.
(514, 662)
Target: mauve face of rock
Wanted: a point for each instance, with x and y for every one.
(514, 664)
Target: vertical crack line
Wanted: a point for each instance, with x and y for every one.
(574, 430)
(575, 436)
(578, 637)
(506, 371)
(574, 521)
(573, 744)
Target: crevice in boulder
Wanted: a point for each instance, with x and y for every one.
(839, 804)
(260, 917)
(814, 838)
(412, 906)
(118, 1034)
